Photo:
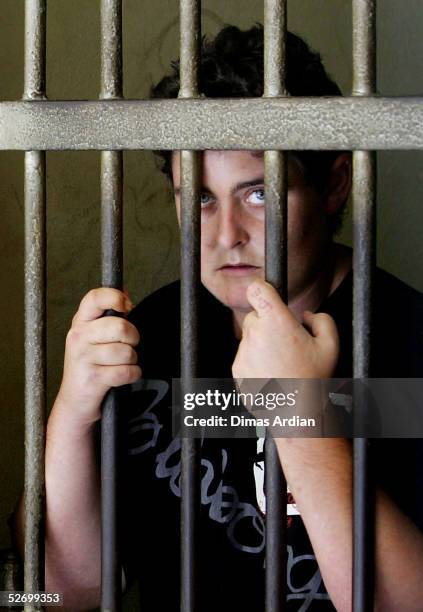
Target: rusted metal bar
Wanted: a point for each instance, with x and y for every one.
(275, 25)
(339, 123)
(275, 19)
(111, 243)
(364, 47)
(35, 50)
(35, 368)
(111, 49)
(364, 207)
(35, 309)
(190, 40)
(190, 453)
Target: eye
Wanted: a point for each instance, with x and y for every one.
(205, 200)
(256, 197)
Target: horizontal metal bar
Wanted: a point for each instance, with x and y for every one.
(284, 123)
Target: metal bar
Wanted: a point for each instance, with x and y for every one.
(35, 309)
(190, 451)
(338, 123)
(111, 49)
(35, 50)
(364, 212)
(111, 246)
(364, 207)
(35, 369)
(190, 39)
(275, 24)
(364, 47)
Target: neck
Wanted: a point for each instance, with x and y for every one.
(328, 278)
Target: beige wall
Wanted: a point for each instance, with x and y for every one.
(151, 31)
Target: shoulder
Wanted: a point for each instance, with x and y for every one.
(397, 330)
(398, 322)
(398, 306)
(394, 290)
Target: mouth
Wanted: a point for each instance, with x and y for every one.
(239, 269)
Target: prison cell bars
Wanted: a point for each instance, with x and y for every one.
(351, 123)
(364, 216)
(35, 308)
(275, 24)
(190, 161)
(111, 249)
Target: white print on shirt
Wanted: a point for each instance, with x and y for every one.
(223, 500)
(291, 506)
(224, 503)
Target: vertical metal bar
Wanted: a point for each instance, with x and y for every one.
(35, 308)
(111, 247)
(190, 452)
(364, 47)
(275, 20)
(364, 206)
(190, 40)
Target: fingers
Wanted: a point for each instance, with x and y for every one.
(115, 376)
(104, 331)
(322, 327)
(266, 302)
(95, 302)
(113, 354)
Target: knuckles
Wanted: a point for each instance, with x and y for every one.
(73, 336)
(123, 331)
(124, 375)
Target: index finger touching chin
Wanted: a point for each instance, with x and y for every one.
(260, 295)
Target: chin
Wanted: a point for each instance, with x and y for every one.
(235, 300)
(232, 294)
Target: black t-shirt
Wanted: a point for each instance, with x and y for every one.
(232, 527)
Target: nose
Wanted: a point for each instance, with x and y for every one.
(232, 229)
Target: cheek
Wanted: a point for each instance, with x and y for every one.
(305, 219)
(207, 236)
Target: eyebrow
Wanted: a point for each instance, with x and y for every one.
(243, 185)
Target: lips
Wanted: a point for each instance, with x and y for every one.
(239, 266)
(238, 269)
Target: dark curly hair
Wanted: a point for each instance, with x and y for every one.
(232, 67)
